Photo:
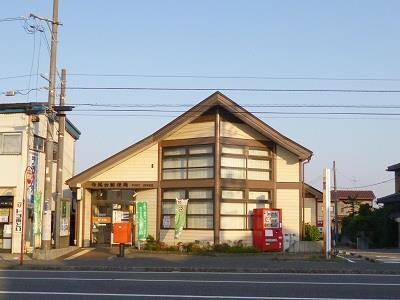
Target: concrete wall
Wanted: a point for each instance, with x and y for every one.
(167, 236)
(231, 236)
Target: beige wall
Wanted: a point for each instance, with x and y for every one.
(310, 211)
(287, 166)
(288, 201)
(87, 217)
(193, 130)
(240, 131)
(167, 236)
(231, 236)
(141, 167)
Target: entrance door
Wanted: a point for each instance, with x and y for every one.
(101, 225)
(6, 213)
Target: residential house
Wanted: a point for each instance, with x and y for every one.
(394, 199)
(23, 128)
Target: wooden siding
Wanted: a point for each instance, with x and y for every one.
(287, 166)
(193, 130)
(309, 211)
(231, 236)
(288, 201)
(141, 167)
(167, 236)
(240, 131)
(149, 196)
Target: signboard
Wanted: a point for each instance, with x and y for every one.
(102, 220)
(18, 216)
(180, 216)
(31, 178)
(141, 216)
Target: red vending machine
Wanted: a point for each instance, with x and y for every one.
(267, 229)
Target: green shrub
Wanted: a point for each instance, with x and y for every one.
(151, 243)
(311, 233)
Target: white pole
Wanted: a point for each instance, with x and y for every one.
(327, 212)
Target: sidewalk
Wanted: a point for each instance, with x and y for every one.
(105, 259)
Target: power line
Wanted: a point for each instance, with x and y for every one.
(269, 117)
(282, 105)
(236, 77)
(235, 89)
(364, 186)
(13, 19)
(259, 112)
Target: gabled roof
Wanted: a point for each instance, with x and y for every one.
(312, 190)
(360, 195)
(216, 99)
(393, 167)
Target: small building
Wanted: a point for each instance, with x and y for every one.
(394, 199)
(222, 158)
(23, 129)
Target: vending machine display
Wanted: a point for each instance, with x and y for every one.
(267, 229)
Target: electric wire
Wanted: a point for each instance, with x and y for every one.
(232, 89)
(235, 77)
(365, 186)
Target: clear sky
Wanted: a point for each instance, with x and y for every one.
(302, 39)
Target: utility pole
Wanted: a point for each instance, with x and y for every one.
(60, 160)
(48, 191)
(327, 212)
(336, 205)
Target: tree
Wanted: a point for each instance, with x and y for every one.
(352, 204)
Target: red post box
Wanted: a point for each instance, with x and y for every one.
(122, 233)
(267, 229)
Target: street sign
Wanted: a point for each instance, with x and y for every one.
(29, 176)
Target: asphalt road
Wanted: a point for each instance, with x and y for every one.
(70, 285)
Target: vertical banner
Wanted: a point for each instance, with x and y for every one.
(180, 216)
(31, 189)
(141, 217)
(37, 218)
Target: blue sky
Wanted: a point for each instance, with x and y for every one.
(329, 39)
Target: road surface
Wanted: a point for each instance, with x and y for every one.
(71, 285)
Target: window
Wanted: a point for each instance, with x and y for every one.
(245, 163)
(55, 151)
(38, 143)
(237, 209)
(10, 143)
(200, 208)
(189, 162)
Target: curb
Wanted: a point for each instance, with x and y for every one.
(368, 258)
(191, 269)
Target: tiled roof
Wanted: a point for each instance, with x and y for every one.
(360, 195)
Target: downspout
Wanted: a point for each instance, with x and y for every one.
(303, 196)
